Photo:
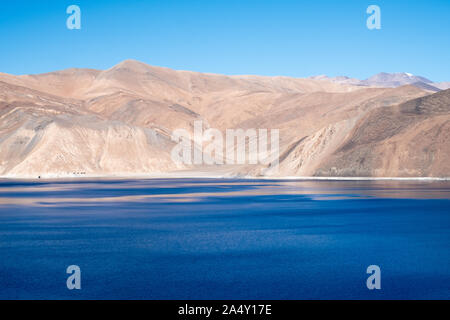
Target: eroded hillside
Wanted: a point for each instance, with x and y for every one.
(119, 122)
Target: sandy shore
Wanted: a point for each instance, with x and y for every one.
(208, 175)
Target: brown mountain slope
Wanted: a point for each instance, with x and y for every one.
(43, 134)
(407, 140)
(119, 121)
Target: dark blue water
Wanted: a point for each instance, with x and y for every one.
(224, 239)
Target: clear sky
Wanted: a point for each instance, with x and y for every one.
(265, 37)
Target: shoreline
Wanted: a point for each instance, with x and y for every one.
(201, 175)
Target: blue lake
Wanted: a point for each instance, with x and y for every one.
(224, 239)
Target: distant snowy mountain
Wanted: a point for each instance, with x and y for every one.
(442, 85)
(394, 80)
(389, 80)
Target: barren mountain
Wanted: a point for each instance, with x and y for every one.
(119, 121)
(393, 80)
(389, 80)
(408, 140)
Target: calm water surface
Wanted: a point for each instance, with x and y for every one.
(224, 239)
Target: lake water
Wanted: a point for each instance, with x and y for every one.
(224, 239)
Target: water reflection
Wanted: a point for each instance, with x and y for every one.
(187, 190)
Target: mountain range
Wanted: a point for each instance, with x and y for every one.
(389, 80)
(118, 122)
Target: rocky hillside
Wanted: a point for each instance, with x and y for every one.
(83, 122)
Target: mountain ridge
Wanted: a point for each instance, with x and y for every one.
(80, 122)
(389, 80)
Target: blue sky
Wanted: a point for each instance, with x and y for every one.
(266, 37)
